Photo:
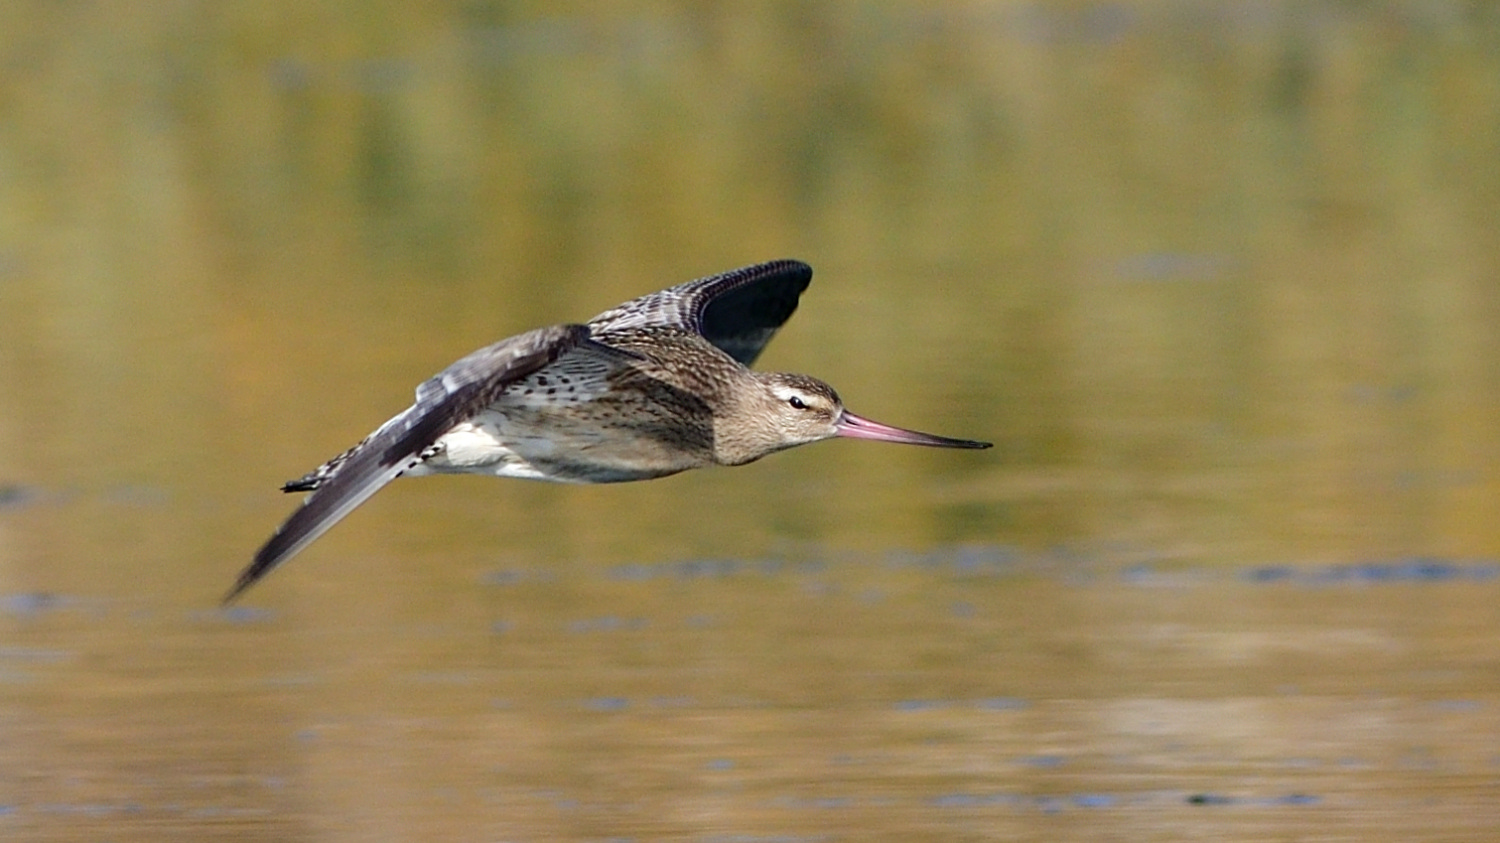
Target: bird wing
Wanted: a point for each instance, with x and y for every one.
(442, 401)
(738, 311)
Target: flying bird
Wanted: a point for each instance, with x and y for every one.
(657, 385)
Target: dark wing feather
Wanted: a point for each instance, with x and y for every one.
(443, 401)
(738, 311)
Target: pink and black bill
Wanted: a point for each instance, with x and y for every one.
(859, 427)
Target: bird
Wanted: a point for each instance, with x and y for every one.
(654, 386)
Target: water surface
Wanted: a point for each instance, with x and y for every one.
(1217, 279)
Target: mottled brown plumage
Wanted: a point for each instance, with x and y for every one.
(657, 385)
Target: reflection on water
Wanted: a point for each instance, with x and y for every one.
(1217, 280)
(975, 691)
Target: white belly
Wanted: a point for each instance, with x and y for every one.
(478, 448)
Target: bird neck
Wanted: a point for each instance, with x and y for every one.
(744, 422)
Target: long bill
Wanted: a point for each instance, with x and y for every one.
(859, 427)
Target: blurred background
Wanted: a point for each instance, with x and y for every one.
(1219, 280)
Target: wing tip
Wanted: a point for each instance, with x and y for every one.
(266, 559)
(246, 579)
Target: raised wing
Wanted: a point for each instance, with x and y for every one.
(444, 400)
(738, 311)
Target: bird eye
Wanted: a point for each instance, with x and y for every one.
(797, 403)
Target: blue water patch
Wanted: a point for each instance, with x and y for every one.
(1071, 567)
(90, 809)
(1050, 804)
(1417, 569)
(696, 569)
(535, 39)
(1172, 266)
(986, 703)
(831, 802)
(963, 560)
(11, 265)
(823, 803)
(1290, 799)
(634, 572)
(606, 703)
(25, 604)
(34, 655)
(1418, 759)
(607, 623)
(137, 495)
(1056, 803)
(380, 75)
(240, 614)
(1155, 575)
(1271, 573)
(1458, 706)
(15, 496)
(1042, 761)
(769, 838)
(692, 569)
(969, 800)
(508, 576)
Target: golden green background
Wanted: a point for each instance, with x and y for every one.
(1219, 279)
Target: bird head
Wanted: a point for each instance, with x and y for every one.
(787, 410)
